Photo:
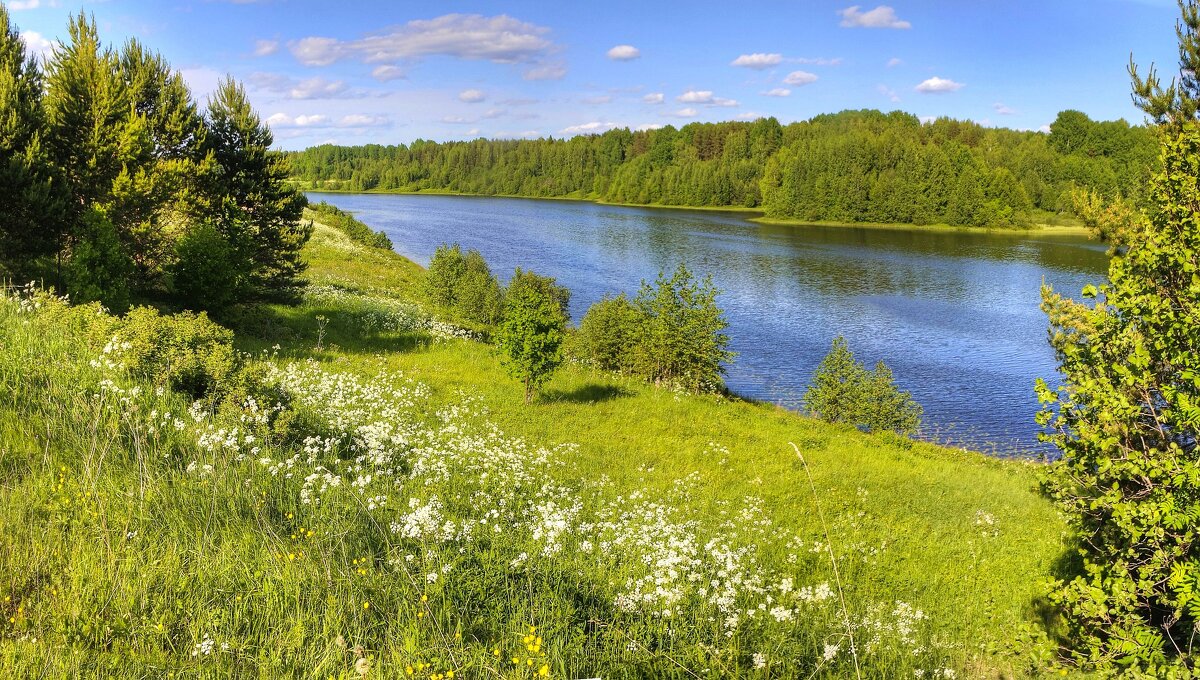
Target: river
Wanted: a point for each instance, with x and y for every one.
(954, 314)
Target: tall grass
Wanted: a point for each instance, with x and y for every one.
(400, 514)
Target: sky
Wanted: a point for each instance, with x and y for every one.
(390, 72)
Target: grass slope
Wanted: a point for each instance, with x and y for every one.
(123, 554)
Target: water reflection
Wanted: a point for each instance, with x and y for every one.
(954, 314)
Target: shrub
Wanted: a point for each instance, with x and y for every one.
(205, 275)
(844, 391)
(99, 270)
(464, 285)
(681, 340)
(608, 333)
(533, 329)
(185, 352)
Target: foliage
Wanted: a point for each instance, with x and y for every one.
(850, 166)
(259, 213)
(608, 332)
(31, 204)
(99, 269)
(682, 341)
(206, 274)
(350, 225)
(1126, 420)
(184, 352)
(532, 330)
(844, 391)
(464, 284)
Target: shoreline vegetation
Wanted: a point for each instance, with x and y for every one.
(1059, 224)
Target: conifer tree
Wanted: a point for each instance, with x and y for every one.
(259, 214)
(30, 205)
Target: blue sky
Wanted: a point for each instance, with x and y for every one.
(371, 71)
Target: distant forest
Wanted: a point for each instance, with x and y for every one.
(853, 166)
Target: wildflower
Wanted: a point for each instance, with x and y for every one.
(830, 652)
(760, 661)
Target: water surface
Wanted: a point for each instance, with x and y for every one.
(954, 314)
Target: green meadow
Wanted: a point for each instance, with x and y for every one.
(399, 512)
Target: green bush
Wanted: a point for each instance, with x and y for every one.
(464, 284)
(608, 332)
(534, 327)
(844, 391)
(98, 269)
(205, 275)
(185, 352)
(682, 341)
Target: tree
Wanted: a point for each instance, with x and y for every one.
(532, 331)
(844, 391)
(31, 206)
(609, 332)
(258, 213)
(1126, 418)
(446, 269)
(480, 299)
(682, 341)
(205, 273)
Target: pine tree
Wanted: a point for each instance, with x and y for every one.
(259, 213)
(31, 207)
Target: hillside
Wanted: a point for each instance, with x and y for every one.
(401, 513)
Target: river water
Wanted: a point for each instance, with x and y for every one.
(954, 314)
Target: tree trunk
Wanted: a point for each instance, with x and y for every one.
(528, 390)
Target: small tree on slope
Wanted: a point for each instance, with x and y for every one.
(532, 331)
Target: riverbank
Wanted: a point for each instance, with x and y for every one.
(1071, 227)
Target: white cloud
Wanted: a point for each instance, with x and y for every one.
(471, 96)
(704, 97)
(889, 93)
(819, 61)
(283, 120)
(387, 72)
(202, 81)
(286, 121)
(472, 132)
(1045, 129)
(28, 4)
(800, 78)
(880, 17)
(309, 88)
(758, 60)
(749, 115)
(894, 62)
(777, 92)
(597, 100)
(361, 120)
(595, 127)
(500, 39)
(1004, 110)
(265, 48)
(37, 44)
(653, 98)
(554, 71)
(624, 53)
(646, 127)
(458, 120)
(687, 112)
(926, 120)
(936, 85)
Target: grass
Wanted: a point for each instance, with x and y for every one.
(124, 554)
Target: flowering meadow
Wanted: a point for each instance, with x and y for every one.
(357, 512)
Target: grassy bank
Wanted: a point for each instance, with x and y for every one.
(415, 519)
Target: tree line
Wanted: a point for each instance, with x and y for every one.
(114, 183)
(856, 166)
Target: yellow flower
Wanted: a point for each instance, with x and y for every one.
(516, 661)
(544, 671)
(449, 674)
(408, 670)
(366, 605)
(424, 598)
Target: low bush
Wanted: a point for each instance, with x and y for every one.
(343, 221)
(844, 391)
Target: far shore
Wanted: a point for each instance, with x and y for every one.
(752, 214)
